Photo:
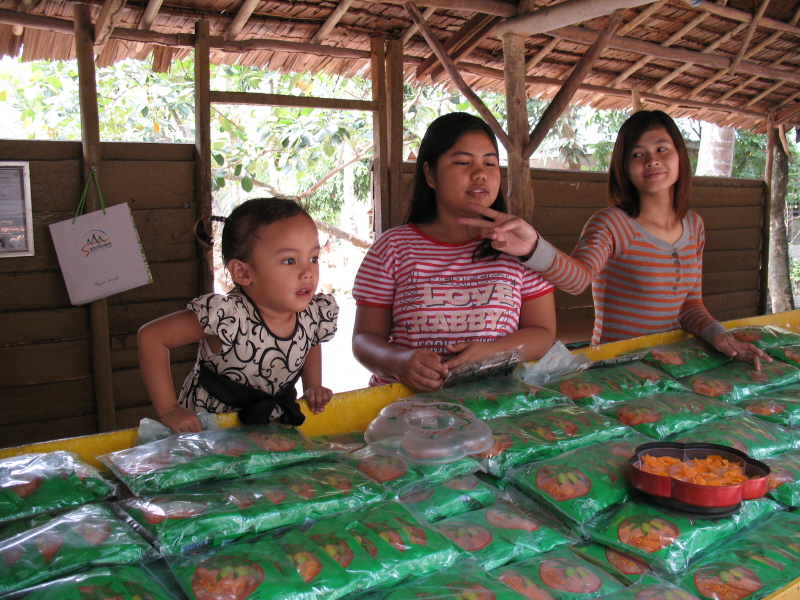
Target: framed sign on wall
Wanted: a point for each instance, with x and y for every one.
(16, 220)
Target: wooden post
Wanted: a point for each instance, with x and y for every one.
(520, 188)
(394, 99)
(380, 131)
(763, 291)
(90, 126)
(202, 146)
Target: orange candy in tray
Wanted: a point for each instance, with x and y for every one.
(711, 470)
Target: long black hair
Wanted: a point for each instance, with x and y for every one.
(441, 135)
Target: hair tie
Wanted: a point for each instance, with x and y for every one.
(214, 218)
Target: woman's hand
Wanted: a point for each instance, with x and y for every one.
(467, 352)
(509, 234)
(181, 420)
(317, 397)
(421, 370)
(730, 346)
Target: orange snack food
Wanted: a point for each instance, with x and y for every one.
(712, 470)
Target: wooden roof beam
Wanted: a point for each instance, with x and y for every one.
(568, 12)
(488, 7)
(150, 14)
(457, 40)
(23, 7)
(426, 14)
(648, 12)
(468, 46)
(572, 84)
(743, 16)
(331, 22)
(785, 114)
(763, 94)
(751, 29)
(240, 20)
(109, 16)
(452, 71)
(544, 51)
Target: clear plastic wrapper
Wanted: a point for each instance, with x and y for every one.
(650, 587)
(190, 458)
(355, 550)
(494, 365)
(750, 567)
(789, 354)
(31, 484)
(463, 581)
(781, 406)
(628, 569)
(543, 433)
(581, 483)
(459, 495)
(503, 533)
(428, 432)
(341, 442)
(670, 542)
(557, 575)
(686, 357)
(597, 388)
(784, 478)
(765, 336)
(662, 415)
(758, 439)
(494, 398)
(88, 536)
(399, 476)
(738, 381)
(558, 363)
(122, 582)
(215, 514)
(151, 430)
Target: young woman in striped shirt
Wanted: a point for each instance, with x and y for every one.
(432, 294)
(643, 255)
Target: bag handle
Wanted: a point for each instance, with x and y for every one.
(82, 203)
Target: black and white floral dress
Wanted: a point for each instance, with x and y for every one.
(251, 354)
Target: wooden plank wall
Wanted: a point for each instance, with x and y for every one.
(46, 386)
(731, 209)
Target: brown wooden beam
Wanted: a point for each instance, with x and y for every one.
(396, 131)
(240, 20)
(331, 22)
(454, 42)
(426, 14)
(763, 291)
(543, 51)
(452, 71)
(380, 131)
(645, 14)
(90, 141)
(572, 84)
(467, 47)
(489, 7)
(109, 16)
(564, 13)
(788, 113)
(520, 189)
(202, 146)
(23, 7)
(150, 14)
(162, 59)
(259, 99)
(751, 29)
(742, 16)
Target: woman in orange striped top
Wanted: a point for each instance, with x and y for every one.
(643, 255)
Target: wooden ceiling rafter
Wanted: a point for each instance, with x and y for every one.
(734, 14)
(488, 7)
(23, 7)
(751, 29)
(412, 29)
(109, 16)
(639, 18)
(564, 13)
(456, 41)
(331, 22)
(466, 48)
(240, 20)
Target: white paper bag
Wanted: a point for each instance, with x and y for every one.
(100, 254)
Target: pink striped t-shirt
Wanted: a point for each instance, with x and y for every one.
(437, 295)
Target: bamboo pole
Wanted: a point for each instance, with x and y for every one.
(260, 99)
(331, 22)
(90, 141)
(751, 29)
(520, 189)
(396, 133)
(380, 128)
(202, 146)
(763, 291)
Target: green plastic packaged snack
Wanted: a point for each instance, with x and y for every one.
(398, 475)
(686, 357)
(738, 381)
(494, 398)
(557, 575)
(784, 478)
(341, 442)
(500, 534)
(597, 388)
(756, 438)
(540, 434)
(216, 454)
(88, 536)
(451, 498)
(662, 415)
(464, 581)
(781, 406)
(105, 583)
(670, 542)
(579, 484)
(789, 354)
(651, 588)
(32, 484)
(765, 336)
(623, 566)
(753, 566)
(216, 513)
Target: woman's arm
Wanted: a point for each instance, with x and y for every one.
(417, 368)
(154, 341)
(315, 394)
(537, 332)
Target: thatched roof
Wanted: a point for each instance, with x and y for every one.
(729, 64)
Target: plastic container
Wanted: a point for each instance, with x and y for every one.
(692, 497)
(428, 432)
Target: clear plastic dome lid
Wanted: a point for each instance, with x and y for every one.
(428, 432)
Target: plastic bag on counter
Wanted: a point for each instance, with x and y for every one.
(686, 357)
(341, 442)
(758, 439)
(107, 583)
(765, 336)
(491, 366)
(151, 430)
(781, 406)
(559, 362)
(738, 381)
(650, 587)
(451, 498)
(31, 484)
(784, 478)
(623, 566)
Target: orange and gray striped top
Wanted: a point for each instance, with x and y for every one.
(640, 283)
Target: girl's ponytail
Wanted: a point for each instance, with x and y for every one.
(200, 229)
